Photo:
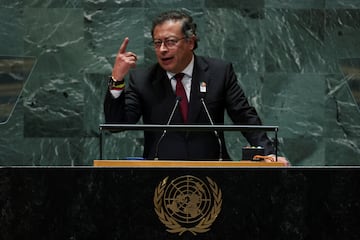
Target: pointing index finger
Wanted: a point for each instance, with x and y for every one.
(124, 45)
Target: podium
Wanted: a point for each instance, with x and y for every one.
(177, 201)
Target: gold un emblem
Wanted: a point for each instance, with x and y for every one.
(187, 204)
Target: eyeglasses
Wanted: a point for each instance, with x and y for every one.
(169, 42)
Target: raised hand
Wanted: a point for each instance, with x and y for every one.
(123, 62)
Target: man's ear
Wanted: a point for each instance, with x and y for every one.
(191, 42)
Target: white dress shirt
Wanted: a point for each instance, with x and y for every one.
(186, 81)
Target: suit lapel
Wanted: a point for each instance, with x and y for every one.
(162, 87)
(199, 75)
(161, 84)
(163, 98)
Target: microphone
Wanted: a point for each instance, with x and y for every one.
(215, 132)
(178, 99)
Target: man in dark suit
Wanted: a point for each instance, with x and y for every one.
(153, 94)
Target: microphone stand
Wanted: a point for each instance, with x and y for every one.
(178, 99)
(215, 132)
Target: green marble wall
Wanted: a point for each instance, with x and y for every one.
(298, 62)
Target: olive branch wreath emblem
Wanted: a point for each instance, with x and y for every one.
(173, 226)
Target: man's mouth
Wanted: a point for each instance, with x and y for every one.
(167, 59)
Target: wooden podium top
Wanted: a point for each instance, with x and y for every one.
(184, 164)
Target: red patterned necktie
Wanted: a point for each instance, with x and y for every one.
(180, 91)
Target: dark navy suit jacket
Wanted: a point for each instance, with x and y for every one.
(149, 95)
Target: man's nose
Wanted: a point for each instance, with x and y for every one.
(163, 47)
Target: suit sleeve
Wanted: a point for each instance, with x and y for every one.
(124, 109)
(114, 108)
(242, 113)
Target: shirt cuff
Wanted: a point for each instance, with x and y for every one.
(115, 92)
